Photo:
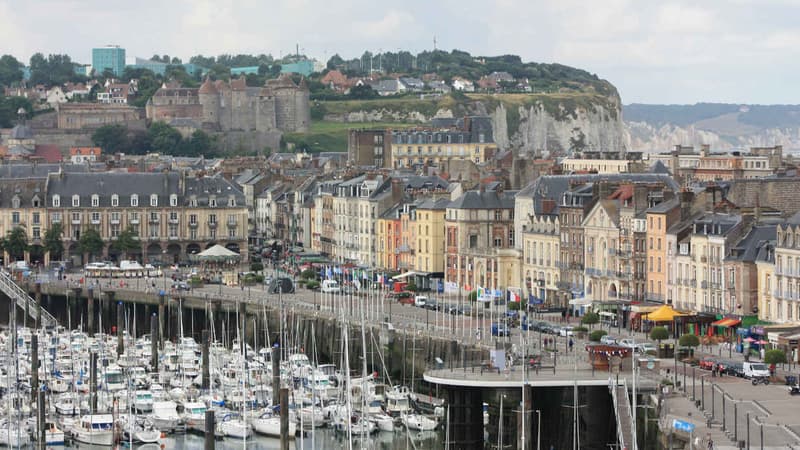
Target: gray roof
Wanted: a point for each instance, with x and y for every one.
(125, 185)
(748, 247)
(484, 200)
(666, 206)
(30, 170)
(659, 167)
(794, 220)
(553, 186)
(430, 203)
(21, 131)
(25, 190)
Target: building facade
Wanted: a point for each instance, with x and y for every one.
(110, 57)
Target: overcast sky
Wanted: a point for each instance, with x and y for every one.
(668, 51)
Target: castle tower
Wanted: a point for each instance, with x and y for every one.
(302, 108)
(239, 104)
(209, 100)
(265, 110)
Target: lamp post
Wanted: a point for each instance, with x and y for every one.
(538, 429)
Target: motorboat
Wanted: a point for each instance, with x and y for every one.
(53, 435)
(141, 431)
(397, 401)
(235, 428)
(194, 416)
(97, 429)
(143, 402)
(165, 415)
(384, 422)
(418, 422)
(269, 424)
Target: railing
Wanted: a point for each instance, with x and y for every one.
(23, 300)
(616, 402)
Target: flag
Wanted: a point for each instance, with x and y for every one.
(481, 293)
(514, 297)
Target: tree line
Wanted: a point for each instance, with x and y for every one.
(159, 137)
(90, 243)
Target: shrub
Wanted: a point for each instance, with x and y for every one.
(313, 284)
(689, 340)
(309, 274)
(596, 335)
(256, 267)
(473, 296)
(579, 329)
(590, 318)
(659, 334)
(774, 356)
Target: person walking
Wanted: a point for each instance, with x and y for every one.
(571, 343)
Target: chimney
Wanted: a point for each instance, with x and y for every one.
(686, 197)
(397, 189)
(640, 195)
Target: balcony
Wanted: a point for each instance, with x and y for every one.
(114, 221)
(134, 221)
(76, 221)
(193, 224)
(704, 284)
(232, 223)
(212, 224)
(174, 238)
(173, 221)
(153, 219)
(95, 221)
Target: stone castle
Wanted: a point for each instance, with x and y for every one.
(218, 106)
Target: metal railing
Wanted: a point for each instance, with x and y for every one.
(23, 300)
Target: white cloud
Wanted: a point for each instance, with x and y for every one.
(682, 18)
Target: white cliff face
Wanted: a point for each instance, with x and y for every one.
(646, 137)
(540, 131)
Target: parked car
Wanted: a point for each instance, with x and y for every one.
(755, 370)
(420, 300)
(432, 304)
(565, 331)
(707, 363)
(736, 369)
(331, 286)
(627, 342)
(646, 348)
(608, 340)
(181, 286)
(499, 329)
(282, 285)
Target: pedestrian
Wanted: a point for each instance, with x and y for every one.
(710, 443)
(570, 344)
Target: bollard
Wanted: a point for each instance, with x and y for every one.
(154, 342)
(210, 429)
(206, 375)
(284, 419)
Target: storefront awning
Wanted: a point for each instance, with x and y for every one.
(726, 322)
(580, 301)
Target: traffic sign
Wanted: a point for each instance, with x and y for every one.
(683, 426)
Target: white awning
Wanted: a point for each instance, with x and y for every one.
(580, 301)
(406, 275)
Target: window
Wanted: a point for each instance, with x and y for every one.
(173, 231)
(134, 200)
(173, 216)
(15, 218)
(35, 202)
(115, 217)
(231, 201)
(115, 200)
(76, 201)
(212, 218)
(511, 237)
(55, 217)
(135, 229)
(95, 200)
(498, 215)
(56, 201)
(193, 234)
(213, 234)
(231, 232)
(37, 233)
(473, 240)
(15, 202)
(193, 219)
(95, 217)
(114, 230)
(173, 200)
(134, 217)
(153, 200)
(212, 202)
(498, 242)
(154, 231)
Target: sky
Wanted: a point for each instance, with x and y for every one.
(666, 51)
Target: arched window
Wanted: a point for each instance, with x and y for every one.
(135, 200)
(76, 201)
(56, 201)
(153, 199)
(114, 200)
(95, 200)
(15, 202)
(173, 200)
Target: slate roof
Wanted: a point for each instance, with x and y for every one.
(484, 200)
(553, 186)
(430, 203)
(747, 248)
(659, 167)
(24, 189)
(30, 170)
(126, 184)
(21, 131)
(666, 206)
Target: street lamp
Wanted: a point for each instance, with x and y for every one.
(538, 429)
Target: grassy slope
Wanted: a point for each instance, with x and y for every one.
(331, 136)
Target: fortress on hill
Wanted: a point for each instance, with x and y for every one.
(260, 113)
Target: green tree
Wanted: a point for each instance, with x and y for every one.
(659, 334)
(9, 107)
(126, 241)
(596, 335)
(774, 356)
(473, 296)
(111, 138)
(363, 92)
(90, 243)
(164, 138)
(16, 243)
(689, 340)
(52, 241)
(590, 318)
(10, 70)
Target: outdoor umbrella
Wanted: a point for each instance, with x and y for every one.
(762, 342)
(749, 339)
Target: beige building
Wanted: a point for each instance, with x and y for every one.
(541, 268)
(172, 215)
(785, 305)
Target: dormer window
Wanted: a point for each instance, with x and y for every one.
(36, 202)
(231, 201)
(95, 200)
(212, 202)
(135, 200)
(193, 201)
(56, 201)
(173, 200)
(76, 201)
(15, 202)
(115, 200)
(153, 200)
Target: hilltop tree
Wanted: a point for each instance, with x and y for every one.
(164, 138)
(52, 241)
(9, 107)
(10, 70)
(111, 138)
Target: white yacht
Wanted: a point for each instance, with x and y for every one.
(97, 429)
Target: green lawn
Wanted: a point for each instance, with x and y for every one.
(331, 136)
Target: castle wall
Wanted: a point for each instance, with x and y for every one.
(234, 140)
(265, 114)
(302, 111)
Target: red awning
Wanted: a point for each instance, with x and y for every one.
(726, 322)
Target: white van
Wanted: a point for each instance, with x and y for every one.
(330, 286)
(755, 370)
(420, 300)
